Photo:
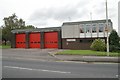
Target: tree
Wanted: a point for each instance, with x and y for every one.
(30, 27)
(6, 35)
(114, 41)
(0, 33)
(98, 45)
(12, 23)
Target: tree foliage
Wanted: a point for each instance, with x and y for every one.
(30, 27)
(114, 41)
(12, 23)
(0, 33)
(98, 45)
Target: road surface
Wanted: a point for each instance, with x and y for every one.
(16, 68)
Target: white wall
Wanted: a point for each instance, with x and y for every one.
(70, 31)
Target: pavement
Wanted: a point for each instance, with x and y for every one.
(84, 58)
(49, 55)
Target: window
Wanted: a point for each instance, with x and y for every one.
(38, 42)
(55, 42)
(101, 27)
(82, 30)
(88, 30)
(94, 30)
(35, 42)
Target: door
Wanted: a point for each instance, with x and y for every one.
(51, 39)
(21, 40)
(34, 40)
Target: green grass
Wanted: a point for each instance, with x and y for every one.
(86, 53)
(5, 46)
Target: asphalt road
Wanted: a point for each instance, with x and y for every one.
(14, 68)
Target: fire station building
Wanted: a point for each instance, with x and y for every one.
(71, 35)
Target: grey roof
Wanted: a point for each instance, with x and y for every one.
(57, 28)
(86, 22)
(37, 30)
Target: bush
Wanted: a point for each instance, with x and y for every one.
(114, 48)
(98, 45)
(114, 42)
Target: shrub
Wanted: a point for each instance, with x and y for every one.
(98, 45)
(114, 41)
(114, 48)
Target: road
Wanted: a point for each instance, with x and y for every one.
(37, 63)
(16, 68)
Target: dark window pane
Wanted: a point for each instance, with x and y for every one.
(82, 30)
(100, 29)
(94, 30)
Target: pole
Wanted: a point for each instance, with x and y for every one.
(91, 22)
(91, 16)
(69, 18)
(107, 29)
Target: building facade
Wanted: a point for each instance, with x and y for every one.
(71, 35)
(80, 35)
(119, 18)
(37, 38)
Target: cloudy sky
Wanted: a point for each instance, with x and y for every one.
(52, 13)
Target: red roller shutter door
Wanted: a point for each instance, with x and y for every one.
(20, 40)
(51, 39)
(34, 40)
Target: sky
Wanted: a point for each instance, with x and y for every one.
(52, 13)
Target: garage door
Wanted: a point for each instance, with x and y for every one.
(20, 40)
(34, 40)
(51, 39)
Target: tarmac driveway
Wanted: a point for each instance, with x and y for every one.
(41, 54)
(48, 55)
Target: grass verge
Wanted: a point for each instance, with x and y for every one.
(5, 46)
(86, 53)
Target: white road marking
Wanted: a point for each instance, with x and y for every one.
(13, 67)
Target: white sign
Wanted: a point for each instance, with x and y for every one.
(71, 40)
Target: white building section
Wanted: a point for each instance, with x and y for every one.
(86, 29)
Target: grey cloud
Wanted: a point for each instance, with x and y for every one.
(100, 9)
(60, 13)
(39, 22)
(113, 12)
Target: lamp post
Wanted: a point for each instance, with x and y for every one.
(107, 29)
